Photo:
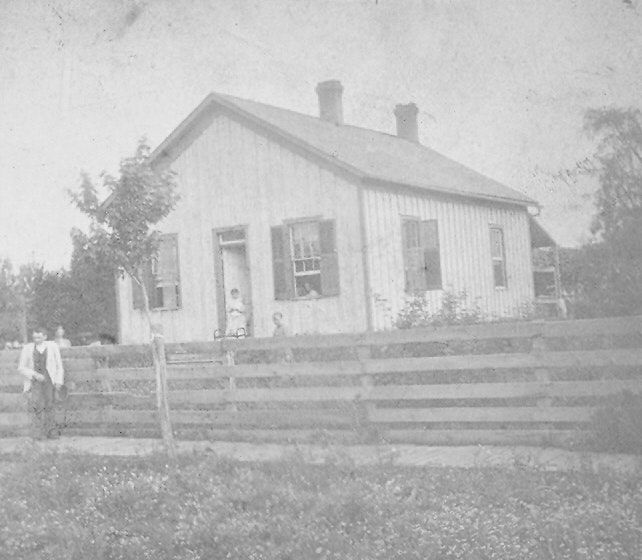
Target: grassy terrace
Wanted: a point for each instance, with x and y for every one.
(57, 507)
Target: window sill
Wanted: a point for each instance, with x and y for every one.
(165, 309)
(310, 298)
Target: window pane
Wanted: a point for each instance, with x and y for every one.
(167, 256)
(166, 275)
(305, 239)
(497, 243)
(499, 274)
(544, 283)
(308, 285)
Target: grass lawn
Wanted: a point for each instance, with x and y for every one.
(57, 507)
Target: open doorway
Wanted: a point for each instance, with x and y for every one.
(232, 272)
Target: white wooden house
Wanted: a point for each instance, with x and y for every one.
(277, 203)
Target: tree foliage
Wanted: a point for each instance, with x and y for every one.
(122, 235)
(605, 276)
(18, 290)
(93, 283)
(82, 299)
(617, 164)
(121, 232)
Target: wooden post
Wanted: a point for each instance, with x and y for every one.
(231, 386)
(542, 375)
(363, 354)
(105, 384)
(160, 369)
(231, 382)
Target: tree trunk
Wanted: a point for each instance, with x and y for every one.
(160, 369)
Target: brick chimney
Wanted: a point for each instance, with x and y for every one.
(407, 122)
(330, 103)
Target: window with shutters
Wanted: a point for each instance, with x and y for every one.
(498, 256)
(422, 260)
(162, 278)
(305, 262)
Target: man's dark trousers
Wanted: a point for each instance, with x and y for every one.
(42, 406)
(42, 399)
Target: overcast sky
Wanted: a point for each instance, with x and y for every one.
(501, 85)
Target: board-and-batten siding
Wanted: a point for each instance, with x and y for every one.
(464, 237)
(229, 176)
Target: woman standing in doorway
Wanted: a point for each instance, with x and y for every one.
(236, 315)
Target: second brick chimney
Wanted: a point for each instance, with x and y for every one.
(330, 102)
(407, 122)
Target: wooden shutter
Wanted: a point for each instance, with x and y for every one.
(282, 263)
(413, 257)
(329, 258)
(429, 235)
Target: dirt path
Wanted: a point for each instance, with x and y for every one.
(401, 455)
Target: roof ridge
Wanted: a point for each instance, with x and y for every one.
(315, 117)
(355, 149)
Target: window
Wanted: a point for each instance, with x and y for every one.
(304, 258)
(498, 256)
(161, 277)
(422, 261)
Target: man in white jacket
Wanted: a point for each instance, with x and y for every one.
(41, 365)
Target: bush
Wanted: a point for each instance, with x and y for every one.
(454, 311)
(616, 426)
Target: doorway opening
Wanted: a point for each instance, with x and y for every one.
(232, 273)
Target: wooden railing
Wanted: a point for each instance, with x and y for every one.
(530, 382)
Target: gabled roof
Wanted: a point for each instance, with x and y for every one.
(370, 155)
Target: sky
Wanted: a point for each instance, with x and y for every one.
(502, 86)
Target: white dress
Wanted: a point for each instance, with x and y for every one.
(236, 319)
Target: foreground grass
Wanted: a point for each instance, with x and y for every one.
(80, 507)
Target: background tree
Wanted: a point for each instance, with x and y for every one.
(122, 236)
(605, 276)
(10, 310)
(82, 299)
(17, 294)
(51, 300)
(93, 284)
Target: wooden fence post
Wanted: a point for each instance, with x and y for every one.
(160, 367)
(231, 382)
(364, 353)
(542, 375)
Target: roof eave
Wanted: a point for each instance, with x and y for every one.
(525, 202)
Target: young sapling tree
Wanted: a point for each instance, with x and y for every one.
(122, 234)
